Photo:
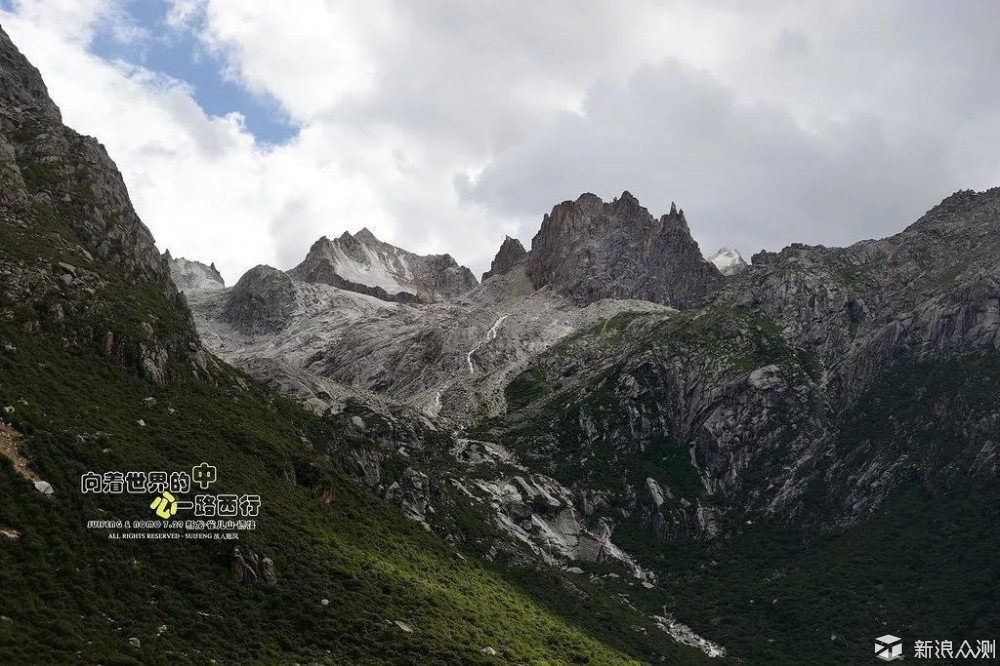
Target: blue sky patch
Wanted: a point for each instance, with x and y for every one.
(178, 54)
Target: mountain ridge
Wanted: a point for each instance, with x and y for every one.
(362, 263)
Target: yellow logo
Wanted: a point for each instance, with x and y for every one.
(165, 505)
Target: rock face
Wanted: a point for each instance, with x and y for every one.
(262, 302)
(366, 265)
(193, 275)
(728, 261)
(22, 90)
(511, 253)
(444, 359)
(767, 395)
(65, 170)
(62, 189)
(589, 250)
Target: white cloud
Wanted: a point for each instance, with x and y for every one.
(769, 122)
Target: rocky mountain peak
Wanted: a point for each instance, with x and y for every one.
(366, 236)
(728, 261)
(193, 275)
(261, 302)
(510, 254)
(362, 263)
(589, 250)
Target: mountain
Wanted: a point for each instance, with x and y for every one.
(607, 452)
(728, 261)
(811, 410)
(364, 264)
(589, 250)
(452, 358)
(510, 254)
(193, 275)
(103, 373)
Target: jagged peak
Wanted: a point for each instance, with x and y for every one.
(365, 234)
(510, 254)
(361, 262)
(629, 254)
(190, 275)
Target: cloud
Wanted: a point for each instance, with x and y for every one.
(444, 126)
(746, 174)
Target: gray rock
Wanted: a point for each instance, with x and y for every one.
(411, 493)
(44, 487)
(248, 568)
(766, 378)
(135, 643)
(510, 254)
(366, 265)
(268, 572)
(262, 302)
(590, 250)
(193, 275)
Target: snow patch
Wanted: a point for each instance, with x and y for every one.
(728, 261)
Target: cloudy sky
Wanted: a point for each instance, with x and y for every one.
(246, 129)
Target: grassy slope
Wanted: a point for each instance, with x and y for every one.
(922, 567)
(72, 595)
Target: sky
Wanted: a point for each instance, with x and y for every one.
(247, 129)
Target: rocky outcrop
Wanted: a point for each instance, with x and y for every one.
(589, 250)
(22, 91)
(262, 302)
(194, 275)
(411, 493)
(248, 568)
(510, 254)
(366, 265)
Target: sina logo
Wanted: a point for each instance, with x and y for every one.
(889, 648)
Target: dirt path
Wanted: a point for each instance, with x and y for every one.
(10, 448)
